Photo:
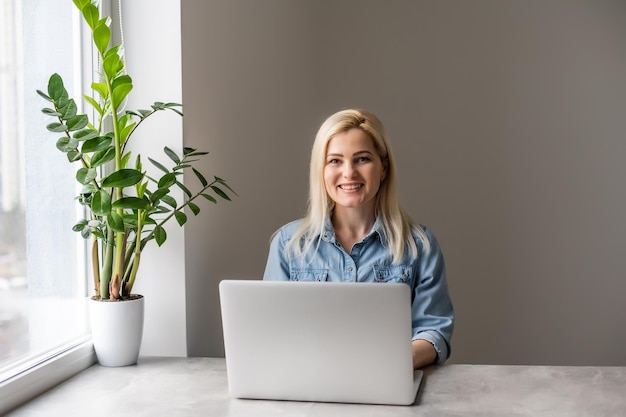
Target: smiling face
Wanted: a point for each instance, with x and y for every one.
(353, 170)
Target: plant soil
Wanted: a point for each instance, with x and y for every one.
(124, 298)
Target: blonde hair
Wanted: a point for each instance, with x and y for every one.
(396, 224)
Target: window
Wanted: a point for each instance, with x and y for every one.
(43, 289)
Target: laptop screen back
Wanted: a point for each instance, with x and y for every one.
(337, 342)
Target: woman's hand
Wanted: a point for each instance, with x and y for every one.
(424, 353)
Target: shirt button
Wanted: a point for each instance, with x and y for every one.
(350, 269)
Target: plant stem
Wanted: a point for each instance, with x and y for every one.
(137, 257)
(105, 277)
(120, 237)
(95, 265)
(135, 128)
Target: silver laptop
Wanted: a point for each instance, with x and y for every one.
(319, 341)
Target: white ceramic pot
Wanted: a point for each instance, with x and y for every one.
(117, 329)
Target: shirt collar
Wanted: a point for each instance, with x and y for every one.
(328, 232)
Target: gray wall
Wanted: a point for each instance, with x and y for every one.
(507, 120)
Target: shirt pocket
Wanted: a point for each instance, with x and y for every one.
(308, 274)
(392, 273)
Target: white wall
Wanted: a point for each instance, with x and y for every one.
(153, 49)
(508, 125)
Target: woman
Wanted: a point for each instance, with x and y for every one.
(355, 230)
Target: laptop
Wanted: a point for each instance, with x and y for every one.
(319, 341)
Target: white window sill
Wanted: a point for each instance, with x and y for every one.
(45, 375)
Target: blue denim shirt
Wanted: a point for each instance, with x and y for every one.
(370, 261)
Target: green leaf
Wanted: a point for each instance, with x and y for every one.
(138, 164)
(81, 3)
(56, 127)
(130, 220)
(90, 12)
(159, 235)
(122, 178)
(145, 113)
(125, 158)
(102, 157)
(161, 210)
(127, 131)
(51, 112)
(101, 36)
(68, 109)
(133, 203)
(209, 197)
(167, 180)
(158, 165)
(185, 189)
(121, 87)
(181, 217)
(101, 203)
(77, 122)
(74, 156)
(134, 113)
(142, 114)
(194, 152)
(177, 111)
(94, 104)
(158, 194)
(219, 192)
(115, 222)
(112, 65)
(203, 180)
(172, 155)
(114, 50)
(101, 89)
(66, 144)
(61, 103)
(194, 208)
(86, 233)
(45, 96)
(141, 189)
(80, 225)
(167, 199)
(221, 181)
(56, 90)
(85, 175)
(120, 93)
(96, 144)
(86, 134)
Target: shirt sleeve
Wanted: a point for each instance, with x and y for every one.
(277, 266)
(433, 314)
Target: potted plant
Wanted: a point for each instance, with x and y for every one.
(125, 208)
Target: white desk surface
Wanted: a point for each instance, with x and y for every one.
(198, 387)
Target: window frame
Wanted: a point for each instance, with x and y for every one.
(159, 288)
(27, 385)
(51, 368)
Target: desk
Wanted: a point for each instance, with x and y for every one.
(198, 387)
